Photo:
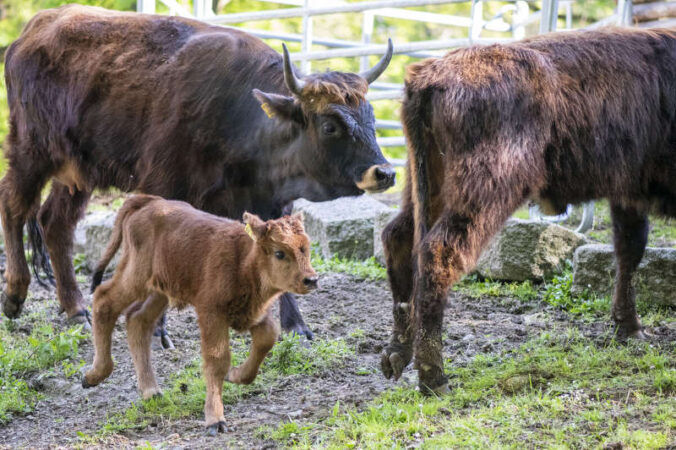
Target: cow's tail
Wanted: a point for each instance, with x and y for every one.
(130, 206)
(40, 258)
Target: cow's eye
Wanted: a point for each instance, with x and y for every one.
(279, 254)
(329, 128)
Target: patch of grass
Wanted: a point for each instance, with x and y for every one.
(369, 269)
(186, 390)
(22, 355)
(473, 287)
(557, 390)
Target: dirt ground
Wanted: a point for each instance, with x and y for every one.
(342, 307)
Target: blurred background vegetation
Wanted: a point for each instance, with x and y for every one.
(15, 13)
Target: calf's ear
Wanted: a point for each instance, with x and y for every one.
(279, 106)
(255, 227)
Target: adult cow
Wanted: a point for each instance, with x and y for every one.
(560, 118)
(176, 108)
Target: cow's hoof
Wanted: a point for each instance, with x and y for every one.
(81, 317)
(218, 427)
(302, 330)
(624, 332)
(12, 305)
(433, 384)
(162, 343)
(394, 360)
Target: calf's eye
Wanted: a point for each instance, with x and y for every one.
(279, 254)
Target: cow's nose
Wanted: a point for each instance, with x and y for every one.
(311, 282)
(385, 175)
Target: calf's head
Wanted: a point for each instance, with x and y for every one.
(285, 253)
(336, 143)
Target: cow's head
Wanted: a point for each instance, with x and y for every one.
(336, 143)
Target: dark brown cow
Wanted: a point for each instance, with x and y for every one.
(561, 118)
(172, 107)
(173, 254)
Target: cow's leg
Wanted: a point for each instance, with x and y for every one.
(59, 216)
(263, 337)
(215, 340)
(630, 236)
(290, 317)
(110, 300)
(19, 196)
(141, 319)
(398, 246)
(162, 335)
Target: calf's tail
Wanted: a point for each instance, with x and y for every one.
(130, 206)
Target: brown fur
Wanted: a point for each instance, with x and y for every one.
(175, 255)
(560, 118)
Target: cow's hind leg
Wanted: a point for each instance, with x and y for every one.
(630, 236)
(141, 318)
(290, 317)
(110, 300)
(19, 196)
(161, 334)
(398, 246)
(263, 337)
(58, 217)
(215, 341)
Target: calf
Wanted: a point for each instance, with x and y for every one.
(176, 255)
(560, 118)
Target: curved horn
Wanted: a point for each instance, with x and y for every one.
(374, 72)
(294, 84)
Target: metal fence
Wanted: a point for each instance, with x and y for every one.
(475, 24)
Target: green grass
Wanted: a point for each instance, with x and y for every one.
(472, 286)
(185, 392)
(558, 390)
(43, 350)
(369, 269)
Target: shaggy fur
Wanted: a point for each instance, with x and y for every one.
(172, 107)
(173, 254)
(560, 118)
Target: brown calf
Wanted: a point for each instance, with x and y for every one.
(176, 255)
(561, 118)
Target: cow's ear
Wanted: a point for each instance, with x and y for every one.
(279, 106)
(255, 227)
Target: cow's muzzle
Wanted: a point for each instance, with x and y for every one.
(377, 178)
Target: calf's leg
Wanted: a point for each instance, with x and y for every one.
(59, 216)
(630, 236)
(263, 337)
(141, 319)
(19, 195)
(215, 340)
(110, 300)
(398, 246)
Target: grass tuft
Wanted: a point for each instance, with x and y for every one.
(369, 269)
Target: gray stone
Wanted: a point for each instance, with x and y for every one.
(379, 223)
(654, 281)
(528, 250)
(92, 235)
(342, 227)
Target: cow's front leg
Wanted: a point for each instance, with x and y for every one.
(215, 340)
(291, 318)
(630, 236)
(59, 216)
(398, 246)
(263, 337)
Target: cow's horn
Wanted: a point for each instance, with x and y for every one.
(294, 84)
(374, 72)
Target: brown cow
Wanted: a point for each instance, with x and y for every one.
(560, 118)
(173, 254)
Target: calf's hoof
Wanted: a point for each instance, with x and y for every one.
(86, 384)
(12, 305)
(81, 317)
(152, 393)
(394, 360)
(214, 429)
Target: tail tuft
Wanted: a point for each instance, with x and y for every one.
(40, 261)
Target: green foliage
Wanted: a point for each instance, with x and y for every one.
(474, 287)
(557, 390)
(369, 269)
(21, 356)
(558, 293)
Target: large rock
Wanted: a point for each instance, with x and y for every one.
(528, 250)
(92, 235)
(655, 279)
(342, 227)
